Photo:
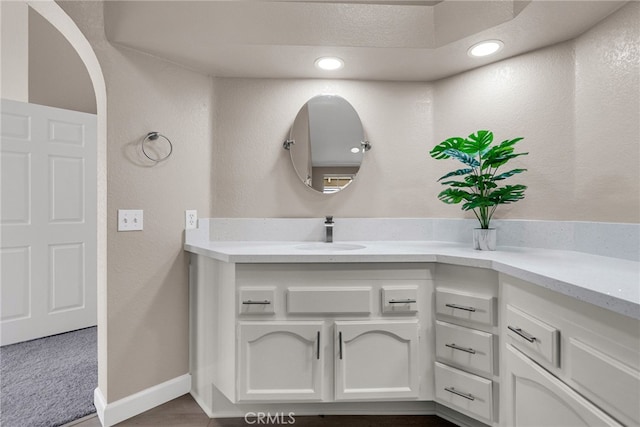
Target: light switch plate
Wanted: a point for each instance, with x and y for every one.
(130, 219)
(190, 219)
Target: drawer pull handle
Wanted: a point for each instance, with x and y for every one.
(461, 307)
(402, 301)
(250, 302)
(523, 334)
(459, 393)
(456, 347)
(340, 343)
(318, 346)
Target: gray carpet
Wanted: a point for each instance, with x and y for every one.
(49, 381)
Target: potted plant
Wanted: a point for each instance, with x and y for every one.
(477, 185)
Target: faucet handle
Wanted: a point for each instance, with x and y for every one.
(329, 219)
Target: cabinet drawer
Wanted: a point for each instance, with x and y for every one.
(356, 300)
(399, 299)
(610, 383)
(471, 307)
(533, 336)
(463, 391)
(257, 300)
(464, 347)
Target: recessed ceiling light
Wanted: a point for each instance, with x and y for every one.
(329, 63)
(355, 150)
(485, 48)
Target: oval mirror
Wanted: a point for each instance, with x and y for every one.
(327, 143)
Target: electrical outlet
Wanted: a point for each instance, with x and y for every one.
(190, 219)
(130, 219)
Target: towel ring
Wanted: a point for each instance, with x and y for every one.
(153, 136)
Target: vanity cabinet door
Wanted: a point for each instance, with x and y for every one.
(539, 399)
(281, 361)
(376, 360)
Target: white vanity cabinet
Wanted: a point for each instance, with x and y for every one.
(297, 333)
(395, 337)
(466, 374)
(566, 362)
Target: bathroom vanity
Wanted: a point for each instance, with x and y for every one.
(508, 338)
(315, 332)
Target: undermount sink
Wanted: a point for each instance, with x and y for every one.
(322, 246)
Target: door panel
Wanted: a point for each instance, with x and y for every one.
(281, 361)
(538, 399)
(376, 360)
(48, 220)
(66, 189)
(16, 170)
(605, 380)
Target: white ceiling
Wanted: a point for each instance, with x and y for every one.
(378, 40)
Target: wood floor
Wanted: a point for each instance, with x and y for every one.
(185, 412)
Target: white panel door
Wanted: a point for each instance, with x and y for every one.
(48, 220)
(376, 360)
(281, 360)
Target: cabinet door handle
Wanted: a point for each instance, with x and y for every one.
(527, 336)
(318, 346)
(402, 301)
(468, 396)
(457, 347)
(340, 344)
(461, 307)
(251, 302)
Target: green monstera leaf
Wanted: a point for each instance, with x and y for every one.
(459, 184)
(506, 175)
(507, 194)
(500, 154)
(463, 157)
(453, 196)
(456, 173)
(438, 152)
(477, 142)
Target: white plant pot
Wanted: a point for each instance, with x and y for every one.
(484, 239)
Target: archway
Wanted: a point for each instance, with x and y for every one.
(53, 13)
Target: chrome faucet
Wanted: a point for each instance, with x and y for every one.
(328, 226)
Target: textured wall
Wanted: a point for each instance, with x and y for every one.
(607, 119)
(14, 50)
(253, 175)
(57, 76)
(569, 101)
(147, 290)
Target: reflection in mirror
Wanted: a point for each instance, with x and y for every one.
(327, 143)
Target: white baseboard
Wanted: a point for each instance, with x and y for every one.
(456, 417)
(201, 403)
(100, 404)
(130, 406)
(218, 406)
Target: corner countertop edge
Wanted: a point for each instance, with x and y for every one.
(610, 283)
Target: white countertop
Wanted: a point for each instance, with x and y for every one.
(611, 283)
